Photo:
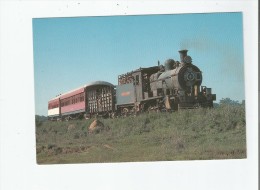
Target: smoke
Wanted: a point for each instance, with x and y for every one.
(228, 57)
(196, 43)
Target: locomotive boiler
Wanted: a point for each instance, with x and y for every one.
(172, 86)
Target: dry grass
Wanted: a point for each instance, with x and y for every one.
(218, 133)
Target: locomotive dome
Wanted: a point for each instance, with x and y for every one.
(188, 59)
(169, 64)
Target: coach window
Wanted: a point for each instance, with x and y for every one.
(78, 97)
(81, 97)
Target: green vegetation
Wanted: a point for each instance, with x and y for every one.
(218, 133)
(40, 119)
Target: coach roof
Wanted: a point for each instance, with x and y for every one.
(95, 83)
(81, 89)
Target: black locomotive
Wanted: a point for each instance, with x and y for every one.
(174, 86)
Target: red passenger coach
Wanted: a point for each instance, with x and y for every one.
(54, 108)
(96, 98)
(73, 102)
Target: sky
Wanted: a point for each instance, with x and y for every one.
(71, 52)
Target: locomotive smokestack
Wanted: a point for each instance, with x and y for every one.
(183, 54)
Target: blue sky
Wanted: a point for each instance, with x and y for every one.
(70, 52)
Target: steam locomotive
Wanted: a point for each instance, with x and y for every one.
(170, 87)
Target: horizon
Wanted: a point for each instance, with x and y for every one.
(69, 52)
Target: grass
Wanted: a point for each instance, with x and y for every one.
(200, 134)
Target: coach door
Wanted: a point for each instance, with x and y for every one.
(138, 86)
